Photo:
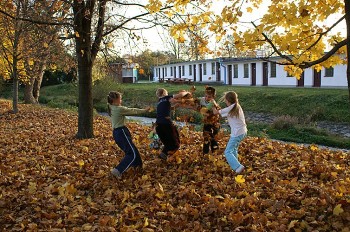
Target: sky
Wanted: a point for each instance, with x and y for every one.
(155, 39)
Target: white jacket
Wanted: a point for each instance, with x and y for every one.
(237, 124)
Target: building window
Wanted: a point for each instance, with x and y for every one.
(183, 70)
(329, 72)
(273, 69)
(235, 71)
(204, 69)
(246, 71)
(166, 71)
(190, 70)
(171, 71)
(213, 68)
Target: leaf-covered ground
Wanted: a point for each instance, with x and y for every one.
(51, 181)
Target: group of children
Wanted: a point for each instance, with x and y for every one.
(167, 132)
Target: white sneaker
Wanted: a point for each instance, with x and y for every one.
(240, 169)
(116, 173)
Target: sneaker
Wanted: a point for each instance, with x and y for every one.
(163, 156)
(116, 173)
(240, 169)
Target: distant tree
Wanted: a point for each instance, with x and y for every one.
(11, 45)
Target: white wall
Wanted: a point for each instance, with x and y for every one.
(281, 79)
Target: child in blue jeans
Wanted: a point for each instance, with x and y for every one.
(121, 133)
(236, 120)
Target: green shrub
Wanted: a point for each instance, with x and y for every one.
(317, 114)
(61, 105)
(285, 122)
(102, 87)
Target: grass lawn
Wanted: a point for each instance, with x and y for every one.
(305, 105)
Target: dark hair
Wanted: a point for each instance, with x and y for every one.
(110, 98)
(210, 91)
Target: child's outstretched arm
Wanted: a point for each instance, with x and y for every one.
(181, 94)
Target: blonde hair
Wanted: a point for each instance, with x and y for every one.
(232, 98)
(161, 92)
(111, 97)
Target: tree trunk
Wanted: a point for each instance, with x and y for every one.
(347, 20)
(38, 81)
(85, 109)
(15, 93)
(28, 92)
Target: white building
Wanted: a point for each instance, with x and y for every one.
(249, 72)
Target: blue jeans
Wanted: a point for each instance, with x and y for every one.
(132, 156)
(231, 151)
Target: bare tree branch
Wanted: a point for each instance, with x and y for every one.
(35, 21)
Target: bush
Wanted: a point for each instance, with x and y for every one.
(285, 122)
(101, 88)
(317, 114)
(62, 105)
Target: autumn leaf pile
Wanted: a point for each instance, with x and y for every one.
(51, 181)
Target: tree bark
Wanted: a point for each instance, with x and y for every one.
(86, 51)
(85, 63)
(347, 20)
(85, 109)
(38, 81)
(28, 92)
(15, 93)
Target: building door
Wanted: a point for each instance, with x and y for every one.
(265, 74)
(300, 82)
(194, 72)
(229, 67)
(253, 72)
(218, 73)
(200, 73)
(317, 79)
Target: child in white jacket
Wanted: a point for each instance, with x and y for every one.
(236, 120)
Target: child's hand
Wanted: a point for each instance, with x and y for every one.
(149, 109)
(215, 111)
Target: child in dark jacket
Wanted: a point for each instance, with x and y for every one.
(165, 127)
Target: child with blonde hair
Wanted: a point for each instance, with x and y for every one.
(165, 128)
(236, 120)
